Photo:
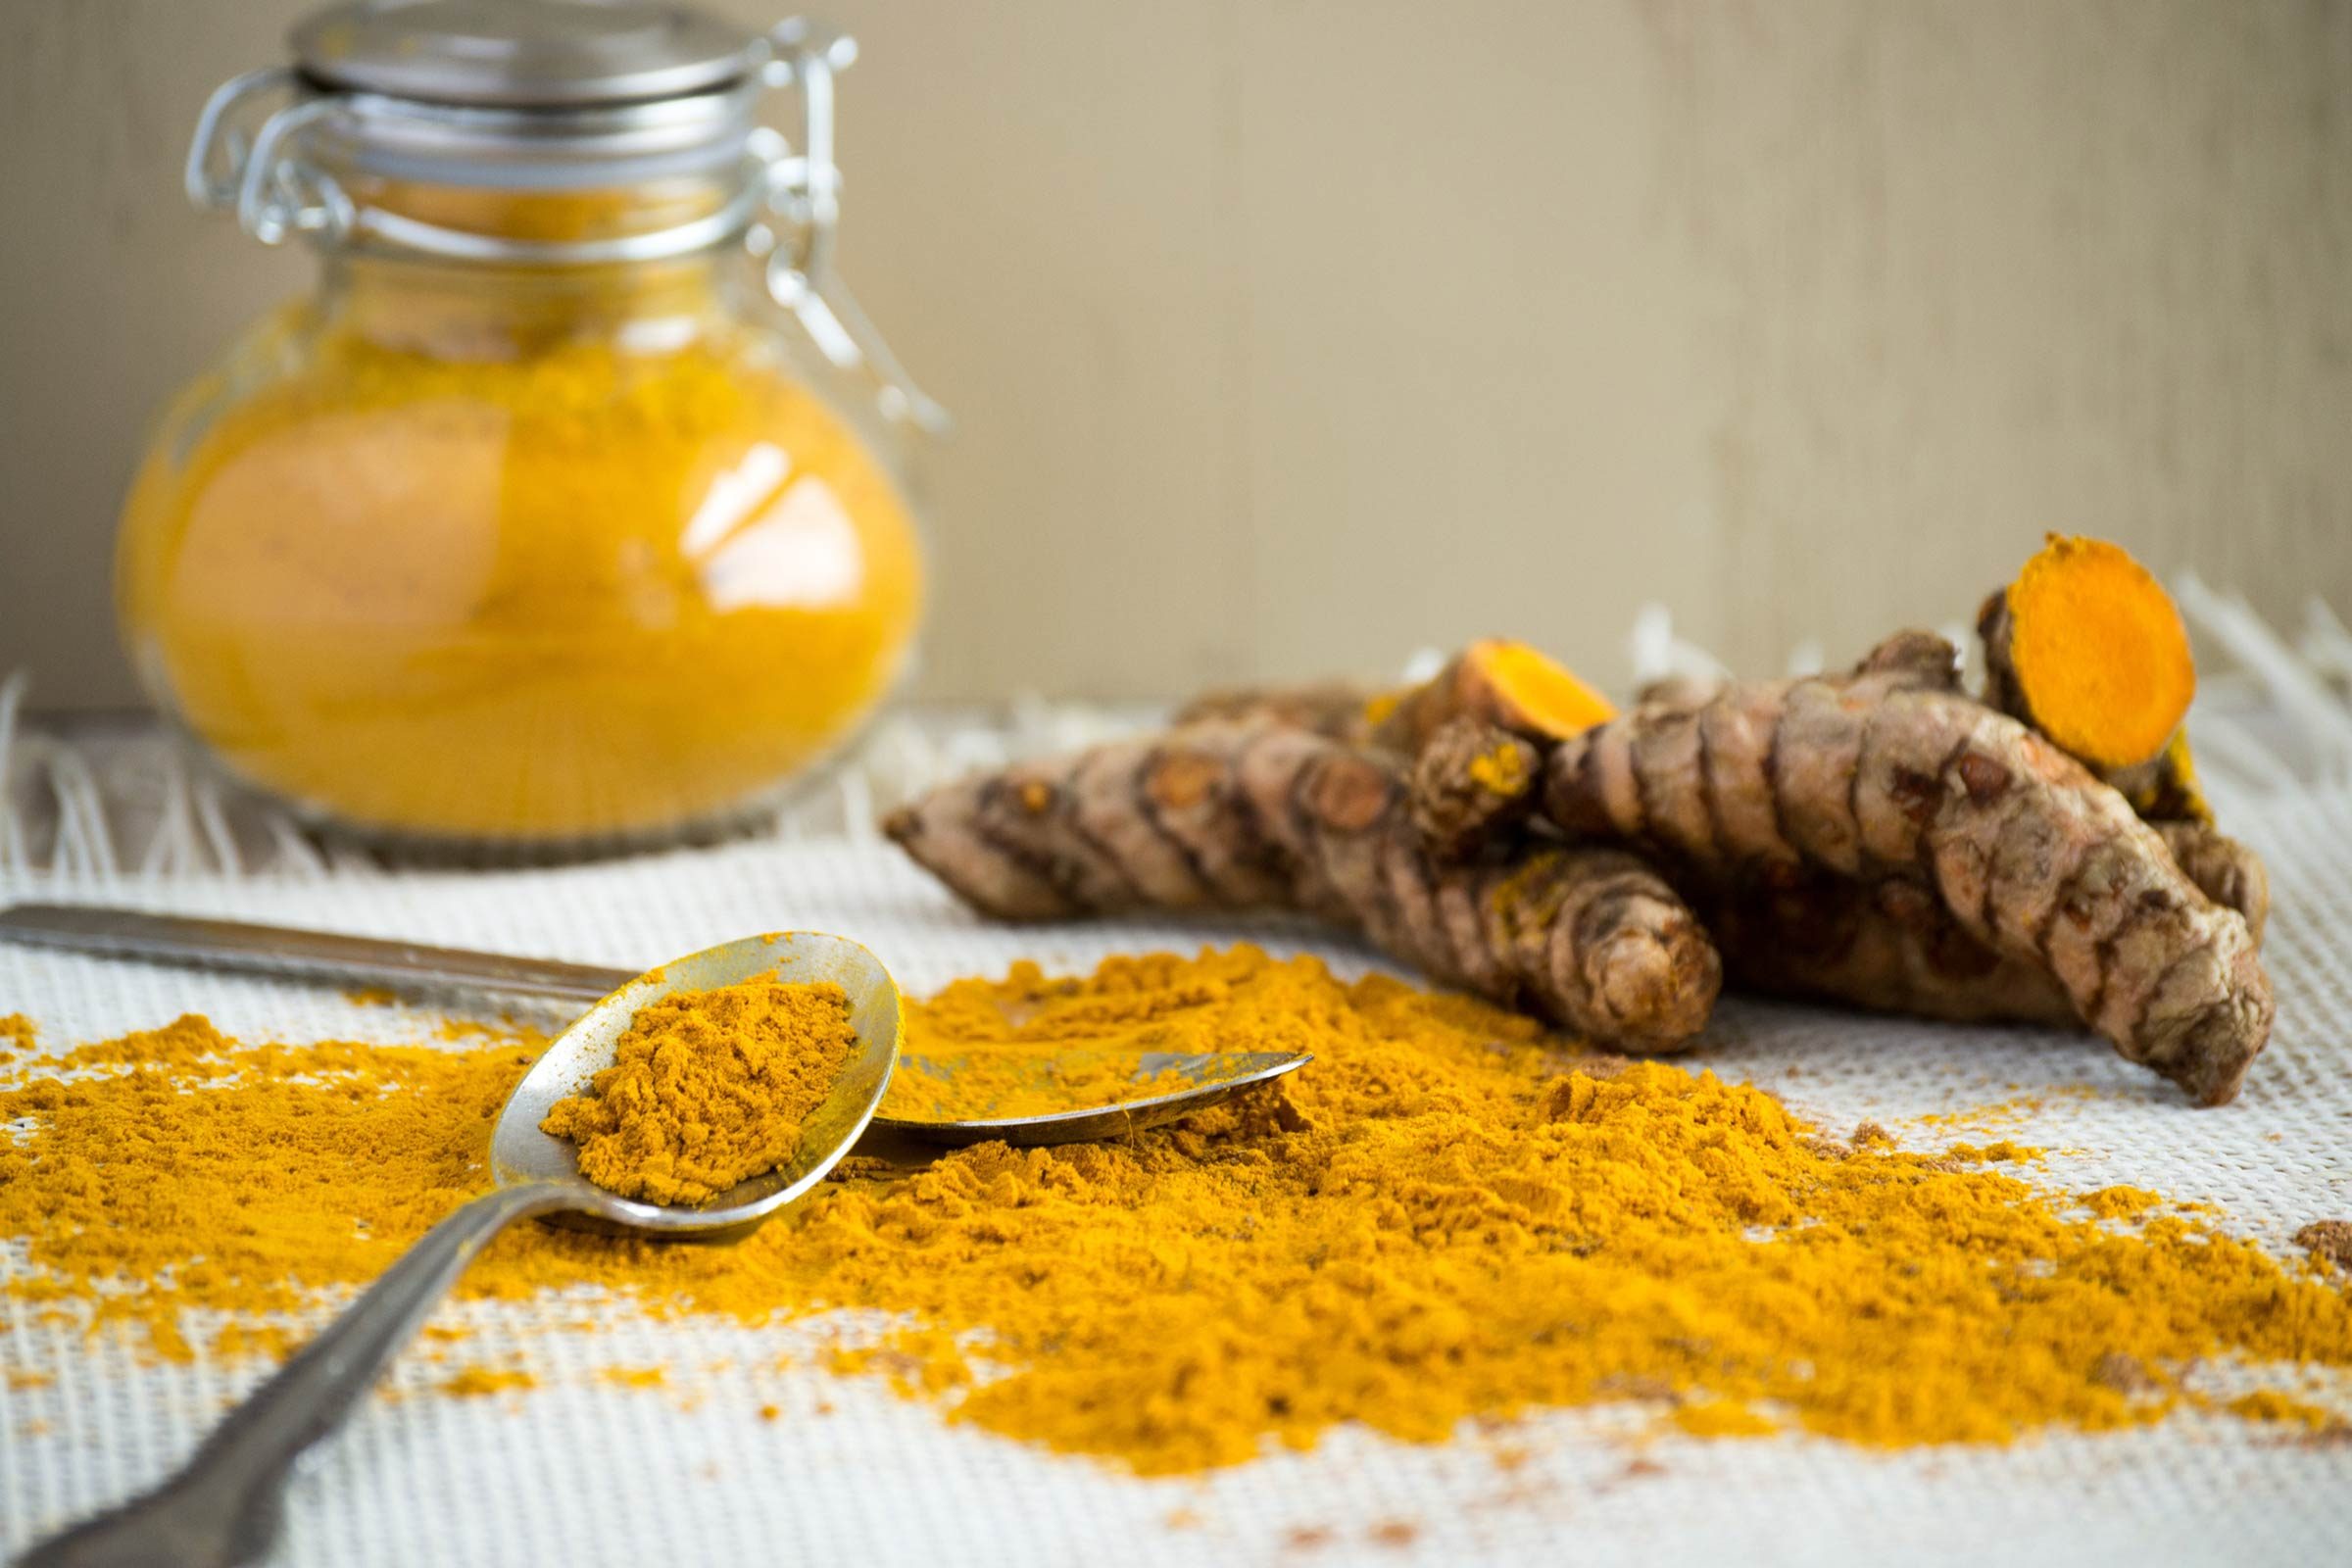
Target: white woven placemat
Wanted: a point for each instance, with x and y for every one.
(583, 1471)
(580, 1471)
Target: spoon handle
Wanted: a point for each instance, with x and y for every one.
(224, 1508)
(285, 951)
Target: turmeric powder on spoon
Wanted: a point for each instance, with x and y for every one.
(707, 1088)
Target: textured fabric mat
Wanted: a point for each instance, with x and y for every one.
(585, 1472)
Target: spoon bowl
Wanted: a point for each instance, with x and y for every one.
(1205, 1079)
(522, 1154)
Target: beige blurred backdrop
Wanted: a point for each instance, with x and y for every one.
(1287, 335)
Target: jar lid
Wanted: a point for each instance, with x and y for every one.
(524, 53)
(543, 96)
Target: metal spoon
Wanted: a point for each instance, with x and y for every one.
(225, 1505)
(411, 965)
(1207, 1078)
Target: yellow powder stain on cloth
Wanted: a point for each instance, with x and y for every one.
(707, 1088)
(1722, 1418)
(2269, 1405)
(2004, 1153)
(635, 1377)
(476, 1381)
(2122, 1202)
(1445, 1217)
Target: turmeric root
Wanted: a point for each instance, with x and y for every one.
(2165, 789)
(1506, 684)
(1254, 816)
(1471, 786)
(1503, 683)
(1791, 932)
(1787, 930)
(2087, 647)
(1477, 733)
(2225, 870)
(1339, 710)
(1780, 928)
(1892, 774)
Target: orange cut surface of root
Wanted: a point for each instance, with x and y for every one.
(2099, 652)
(1536, 691)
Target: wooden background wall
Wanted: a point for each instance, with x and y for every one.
(1286, 334)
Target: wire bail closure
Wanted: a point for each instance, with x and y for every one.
(785, 211)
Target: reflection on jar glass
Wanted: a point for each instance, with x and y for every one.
(516, 552)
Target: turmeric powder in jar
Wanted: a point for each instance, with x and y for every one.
(526, 526)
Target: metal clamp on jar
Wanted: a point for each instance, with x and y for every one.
(532, 524)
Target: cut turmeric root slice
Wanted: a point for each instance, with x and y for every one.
(1506, 684)
(2087, 647)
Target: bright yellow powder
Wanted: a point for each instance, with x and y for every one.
(635, 1377)
(1443, 1218)
(2122, 1202)
(476, 1381)
(1501, 771)
(707, 1088)
(2269, 1405)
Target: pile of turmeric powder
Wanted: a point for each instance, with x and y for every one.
(1449, 1215)
(707, 1088)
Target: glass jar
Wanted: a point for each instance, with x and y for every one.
(530, 524)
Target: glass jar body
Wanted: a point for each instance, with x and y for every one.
(473, 553)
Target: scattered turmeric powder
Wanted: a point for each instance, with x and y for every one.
(476, 1381)
(2001, 1152)
(2269, 1405)
(635, 1377)
(1722, 1418)
(707, 1088)
(1450, 1216)
(2329, 1240)
(2122, 1202)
